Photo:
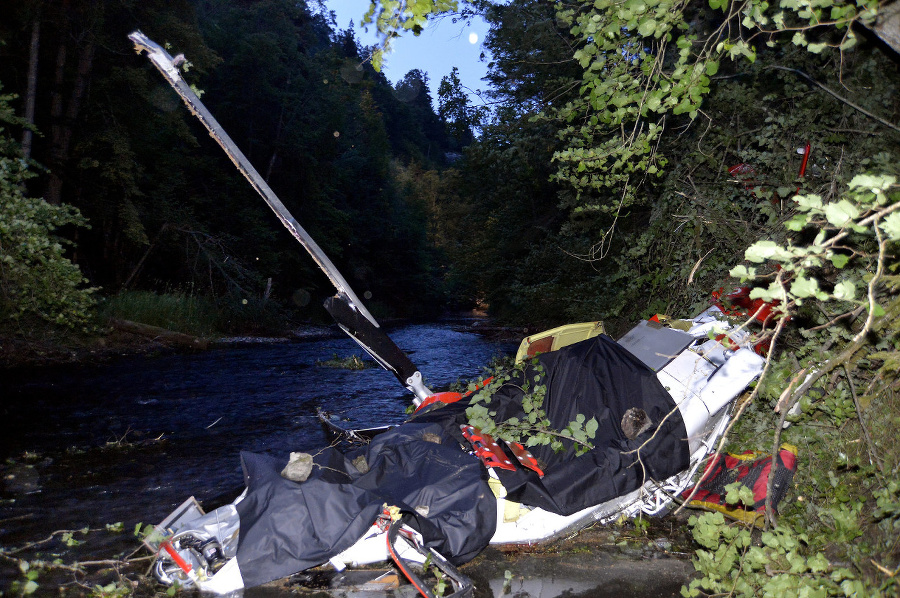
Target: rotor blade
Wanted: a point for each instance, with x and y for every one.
(346, 308)
(377, 344)
(166, 65)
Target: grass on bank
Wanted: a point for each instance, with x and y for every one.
(196, 315)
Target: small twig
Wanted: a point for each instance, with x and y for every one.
(885, 570)
(17, 518)
(696, 266)
(113, 562)
(787, 391)
(850, 314)
(49, 538)
(837, 96)
(873, 455)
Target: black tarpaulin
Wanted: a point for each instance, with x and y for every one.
(286, 526)
(597, 378)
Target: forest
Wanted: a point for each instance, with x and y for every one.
(634, 157)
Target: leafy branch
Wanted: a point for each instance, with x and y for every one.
(532, 427)
(391, 17)
(32, 568)
(645, 61)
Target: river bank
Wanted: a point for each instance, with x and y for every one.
(118, 341)
(649, 558)
(18, 352)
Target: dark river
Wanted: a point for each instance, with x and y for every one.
(84, 446)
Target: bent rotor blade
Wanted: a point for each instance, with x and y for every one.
(166, 65)
(377, 344)
(381, 347)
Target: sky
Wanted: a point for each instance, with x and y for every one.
(441, 46)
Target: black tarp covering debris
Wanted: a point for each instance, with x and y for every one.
(597, 378)
(289, 526)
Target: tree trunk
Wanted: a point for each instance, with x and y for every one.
(31, 93)
(64, 124)
(160, 334)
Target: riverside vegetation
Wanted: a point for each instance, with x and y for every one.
(614, 124)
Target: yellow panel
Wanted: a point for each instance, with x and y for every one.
(560, 337)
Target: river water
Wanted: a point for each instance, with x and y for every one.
(85, 446)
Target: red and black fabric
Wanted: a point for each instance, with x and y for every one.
(752, 469)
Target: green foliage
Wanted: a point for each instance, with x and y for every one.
(867, 209)
(391, 17)
(195, 314)
(37, 280)
(39, 573)
(780, 563)
(531, 427)
(180, 312)
(646, 62)
(114, 589)
(455, 110)
(353, 362)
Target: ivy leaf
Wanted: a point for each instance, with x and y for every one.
(30, 587)
(818, 563)
(845, 290)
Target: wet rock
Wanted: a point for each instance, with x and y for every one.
(298, 468)
(360, 464)
(664, 544)
(635, 422)
(21, 479)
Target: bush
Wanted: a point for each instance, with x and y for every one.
(37, 281)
